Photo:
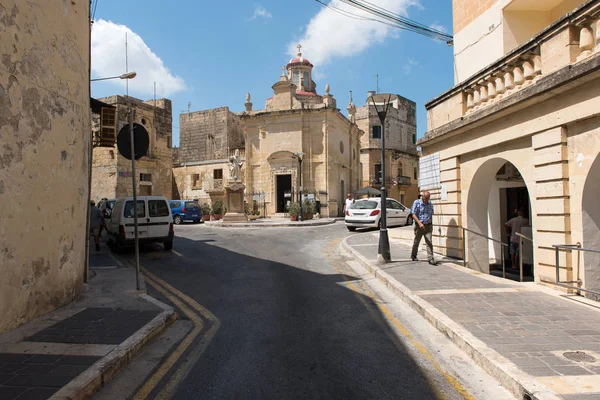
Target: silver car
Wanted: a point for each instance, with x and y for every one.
(366, 213)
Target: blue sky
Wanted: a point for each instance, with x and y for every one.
(210, 54)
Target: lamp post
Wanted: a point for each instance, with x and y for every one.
(128, 75)
(383, 252)
(299, 155)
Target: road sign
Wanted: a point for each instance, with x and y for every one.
(141, 140)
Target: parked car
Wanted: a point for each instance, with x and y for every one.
(185, 210)
(106, 207)
(366, 213)
(155, 223)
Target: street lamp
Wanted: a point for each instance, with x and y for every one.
(299, 156)
(127, 75)
(383, 252)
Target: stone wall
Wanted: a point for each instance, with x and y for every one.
(44, 113)
(204, 135)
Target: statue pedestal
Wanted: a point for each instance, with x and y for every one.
(234, 200)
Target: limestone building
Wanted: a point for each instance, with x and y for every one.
(207, 139)
(297, 122)
(44, 111)
(111, 172)
(401, 160)
(520, 130)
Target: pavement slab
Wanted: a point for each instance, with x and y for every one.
(528, 334)
(70, 352)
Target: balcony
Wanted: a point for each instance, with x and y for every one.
(215, 186)
(571, 40)
(403, 180)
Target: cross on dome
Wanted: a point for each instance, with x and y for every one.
(299, 47)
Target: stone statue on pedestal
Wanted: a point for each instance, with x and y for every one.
(235, 165)
(234, 191)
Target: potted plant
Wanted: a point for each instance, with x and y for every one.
(206, 211)
(217, 210)
(308, 209)
(294, 211)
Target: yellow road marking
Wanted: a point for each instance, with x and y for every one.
(174, 296)
(328, 251)
(151, 383)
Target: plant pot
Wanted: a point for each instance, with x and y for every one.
(307, 216)
(205, 218)
(293, 218)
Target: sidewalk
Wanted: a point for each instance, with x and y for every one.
(272, 223)
(536, 341)
(71, 352)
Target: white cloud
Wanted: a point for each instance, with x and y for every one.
(409, 66)
(438, 27)
(108, 59)
(260, 12)
(330, 34)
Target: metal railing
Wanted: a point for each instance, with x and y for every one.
(521, 237)
(488, 238)
(571, 247)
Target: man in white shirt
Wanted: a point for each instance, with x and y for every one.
(514, 226)
(349, 201)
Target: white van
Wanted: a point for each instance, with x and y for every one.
(155, 223)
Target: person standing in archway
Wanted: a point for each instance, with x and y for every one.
(422, 213)
(514, 226)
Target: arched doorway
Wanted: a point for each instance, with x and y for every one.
(591, 228)
(496, 194)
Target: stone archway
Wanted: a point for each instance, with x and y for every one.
(591, 227)
(490, 204)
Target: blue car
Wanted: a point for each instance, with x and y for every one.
(185, 210)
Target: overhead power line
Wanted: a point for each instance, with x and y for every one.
(389, 18)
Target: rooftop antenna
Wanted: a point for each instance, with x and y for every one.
(377, 87)
(154, 94)
(126, 67)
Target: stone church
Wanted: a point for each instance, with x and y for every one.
(299, 141)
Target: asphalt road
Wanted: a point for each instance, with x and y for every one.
(292, 324)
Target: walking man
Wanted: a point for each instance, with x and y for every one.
(349, 201)
(422, 213)
(96, 221)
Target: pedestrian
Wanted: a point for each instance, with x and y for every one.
(96, 221)
(348, 203)
(422, 213)
(514, 226)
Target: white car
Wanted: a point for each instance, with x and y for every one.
(155, 222)
(366, 213)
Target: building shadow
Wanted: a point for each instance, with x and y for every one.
(287, 329)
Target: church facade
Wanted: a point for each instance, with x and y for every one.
(299, 143)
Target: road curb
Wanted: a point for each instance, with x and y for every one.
(265, 225)
(103, 370)
(508, 374)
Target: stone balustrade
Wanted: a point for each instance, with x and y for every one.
(514, 75)
(523, 68)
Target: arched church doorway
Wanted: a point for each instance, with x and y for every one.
(591, 228)
(498, 195)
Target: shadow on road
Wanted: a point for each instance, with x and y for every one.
(290, 328)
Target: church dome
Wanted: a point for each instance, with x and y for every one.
(299, 59)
